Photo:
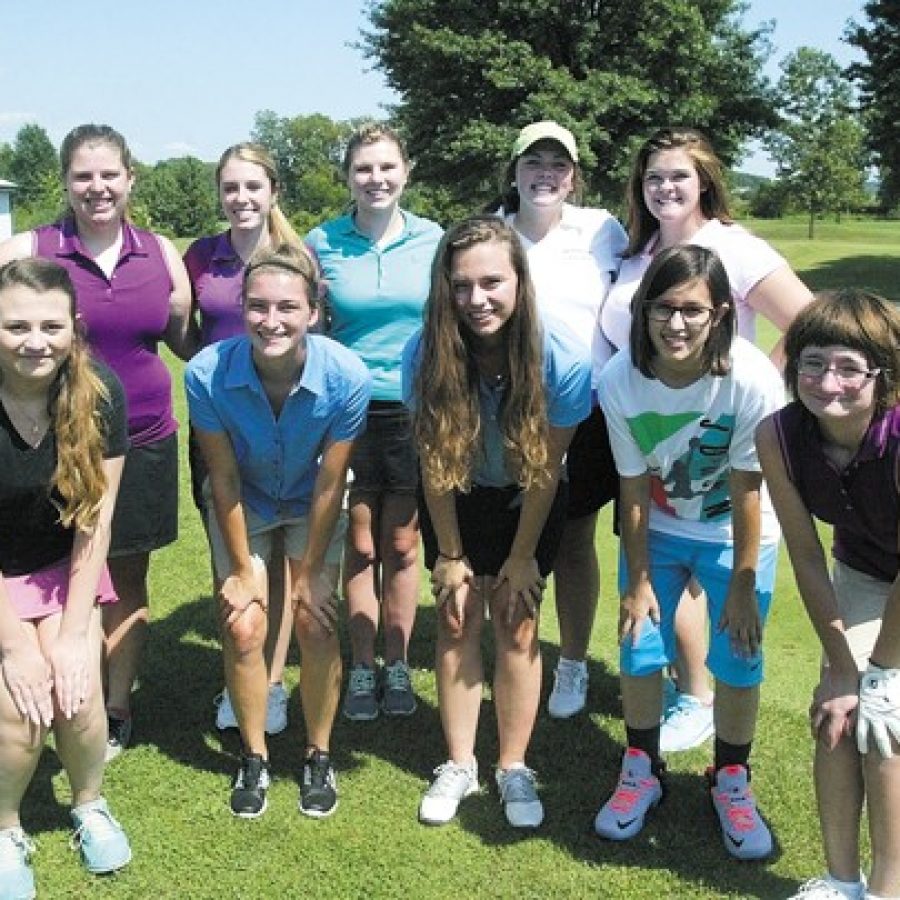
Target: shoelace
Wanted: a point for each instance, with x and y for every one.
(817, 887)
(518, 786)
(14, 843)
(628, 792)
(397, 678)
(568, 680)
(319, 769)
(741, 811)
(244, 776)
(99, 823)
(362, 681)
(448, 775)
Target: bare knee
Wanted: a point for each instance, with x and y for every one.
(247, 633)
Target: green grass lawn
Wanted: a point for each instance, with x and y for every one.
(171, 790)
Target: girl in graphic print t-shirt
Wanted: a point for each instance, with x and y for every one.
(682, 403)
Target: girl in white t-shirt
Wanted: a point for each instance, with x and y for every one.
(682, 402)
(573, 254)
(676, 194)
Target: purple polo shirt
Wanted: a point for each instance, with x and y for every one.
(217, 273)
(862, 502)
(125, 317)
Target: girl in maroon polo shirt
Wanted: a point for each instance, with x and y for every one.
(834, 455)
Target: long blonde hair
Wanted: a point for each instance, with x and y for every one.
(74, 404)
(280, 229)
(447, 412)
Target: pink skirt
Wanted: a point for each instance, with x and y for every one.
(43, 593)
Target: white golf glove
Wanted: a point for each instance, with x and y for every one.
(879, 709)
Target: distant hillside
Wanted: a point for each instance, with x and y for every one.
(743, 184)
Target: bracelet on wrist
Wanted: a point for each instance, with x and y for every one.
(450, 558)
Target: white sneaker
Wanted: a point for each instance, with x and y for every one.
(686, 724)
(452, 783)
(276, 710)
(520, 801)
(570, 684)
(826, 888)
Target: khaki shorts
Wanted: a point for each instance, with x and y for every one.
(861, 600)
(260, 535)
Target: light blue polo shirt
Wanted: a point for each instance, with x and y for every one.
(567, 383)
(278, 458)
(376, 294)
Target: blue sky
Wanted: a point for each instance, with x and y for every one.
(188, 76)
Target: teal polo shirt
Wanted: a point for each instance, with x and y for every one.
(376, 294)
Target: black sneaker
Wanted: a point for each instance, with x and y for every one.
(248, 791)
(318, 791)
(118, 735)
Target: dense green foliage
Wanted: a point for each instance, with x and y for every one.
(818, 145)
(177, 197)
(879, 79)
(470, 73)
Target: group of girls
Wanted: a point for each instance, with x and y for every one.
(464, 402)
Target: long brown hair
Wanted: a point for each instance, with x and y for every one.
(447, 412)
(74, 404)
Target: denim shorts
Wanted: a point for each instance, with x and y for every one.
(383, 458)
(488, 518)
(674, 561)
(146, 516)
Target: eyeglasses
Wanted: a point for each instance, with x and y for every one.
(846, 374)
(692, 315)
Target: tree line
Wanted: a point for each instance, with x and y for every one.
(471, 73)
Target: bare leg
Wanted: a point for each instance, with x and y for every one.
(125, 624)
(245, 673)
(576, 579)
(362, 586)
(81, 740)
(517, 677)
(883, 797)
(20, 748)
(691, 638)
(320, 674)
(735, 710)
(460, 674)
(839, 794)
(399, 536)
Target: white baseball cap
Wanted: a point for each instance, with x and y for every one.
(545, 131)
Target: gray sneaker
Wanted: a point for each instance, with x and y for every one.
(397, 698)
(361, 701)
(519, 797)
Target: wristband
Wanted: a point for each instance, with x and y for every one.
(450, 558)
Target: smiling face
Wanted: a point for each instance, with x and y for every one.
(377, 175)
(36, 334)
(98, 185)
(545, 175)
(246, 194)
(277, 316)
(679, 323)
(484, 286)
(836, 383)
(672, 188)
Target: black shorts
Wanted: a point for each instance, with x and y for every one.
(488, 519)
(199, 472)
(593, 480)
(383, 459)
(146, 516)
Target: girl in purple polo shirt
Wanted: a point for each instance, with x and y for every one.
(834, 455)
(247, 179)
(132, 293)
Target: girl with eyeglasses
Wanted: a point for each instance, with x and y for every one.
(676, 195)
(833, 454)
(682, 402)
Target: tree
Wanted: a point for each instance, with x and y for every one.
(34, 162)
(308, 151)
(471, 73)
(818, 148)
(6, 162)
(180, 196)
(879, 82)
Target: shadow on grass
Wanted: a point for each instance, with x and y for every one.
(878, 273)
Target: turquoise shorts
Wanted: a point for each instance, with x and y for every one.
(674, 561)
